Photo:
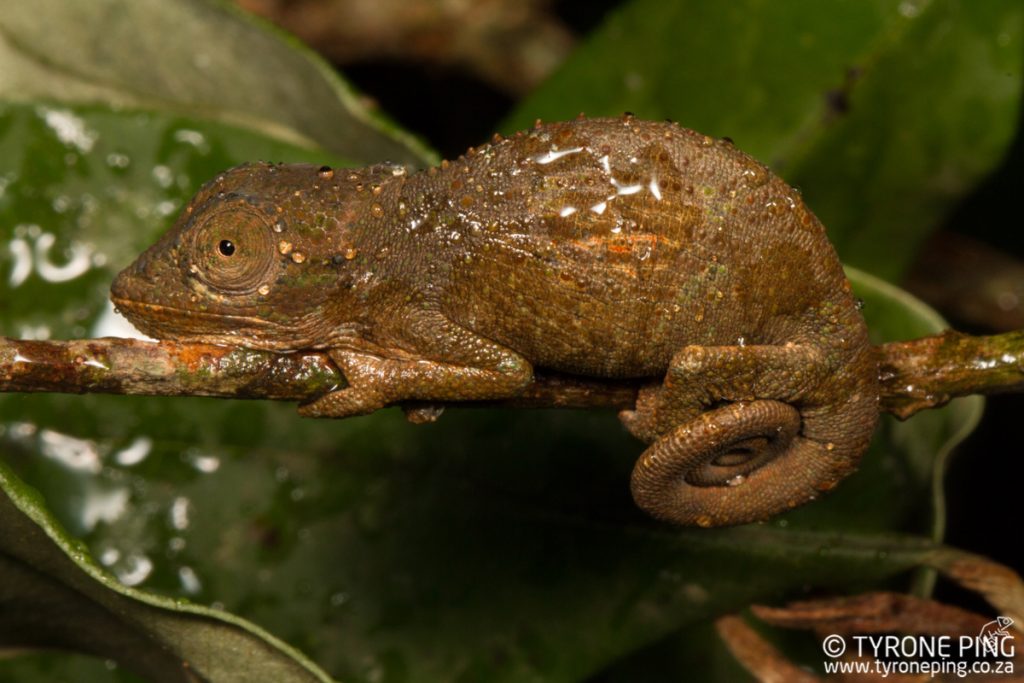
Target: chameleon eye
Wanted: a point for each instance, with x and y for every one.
(233, 250)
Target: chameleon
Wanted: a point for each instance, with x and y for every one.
(604, 248)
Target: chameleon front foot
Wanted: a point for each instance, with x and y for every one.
(739, 463)
(344, 403)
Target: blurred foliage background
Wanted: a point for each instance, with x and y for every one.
(492, 545)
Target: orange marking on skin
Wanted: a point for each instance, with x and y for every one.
(621, 244)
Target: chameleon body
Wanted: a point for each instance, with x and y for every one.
(609, 248)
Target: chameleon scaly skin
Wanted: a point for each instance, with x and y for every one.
(609, 248)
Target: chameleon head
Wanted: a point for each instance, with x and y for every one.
(248, 262)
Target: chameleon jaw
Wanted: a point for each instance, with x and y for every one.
(164, 322)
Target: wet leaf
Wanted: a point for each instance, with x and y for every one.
(53, 596)
(190, 57)
(884, 113)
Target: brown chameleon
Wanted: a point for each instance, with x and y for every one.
(604, 248)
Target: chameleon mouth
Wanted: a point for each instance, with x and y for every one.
(157, 320)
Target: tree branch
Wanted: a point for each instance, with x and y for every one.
(129, 366)
(928, 372)
(914, 375)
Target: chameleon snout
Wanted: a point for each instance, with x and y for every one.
(136, 276)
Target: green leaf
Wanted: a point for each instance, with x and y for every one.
(190, 57)
(884, 113)
(928, 440)
(52, 595)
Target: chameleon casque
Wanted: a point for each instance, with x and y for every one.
(604, 248)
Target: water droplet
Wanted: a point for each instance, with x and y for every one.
(298, 257)
(118, 160)
(22, 254)
(179, 513)
(69, 128)
(654, 188)
(284, 247)
(556, 154)
(135, 452)
(754, 176)
(163, 175)
(192, 137)
(325, 172)
(621, 189)
(74, 453)
(110, 556)
(206, 464)
(135, 569)
(79, 261)
(190, 583)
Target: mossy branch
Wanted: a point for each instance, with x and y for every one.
(915, 375)
(930, 371)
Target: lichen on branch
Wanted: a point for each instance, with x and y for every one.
(914, 375)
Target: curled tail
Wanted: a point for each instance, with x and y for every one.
(750, 459)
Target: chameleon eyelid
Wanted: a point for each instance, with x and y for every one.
(243, 225)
